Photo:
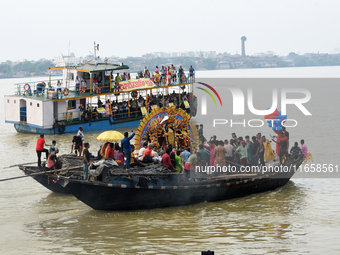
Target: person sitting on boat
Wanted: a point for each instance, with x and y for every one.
(148, 150)
(51, 160)
(110, 152)
(142, 150)
(134, 160)
(191, 163)
(99, 156)
(52, 147)
(166, 159)
(154, 154)
(40, 148)
(295, 150)
(126, 147)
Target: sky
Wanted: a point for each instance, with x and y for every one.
(35, 29)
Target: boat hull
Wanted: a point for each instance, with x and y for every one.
(88, 126)
(47, 180)
(102, 196)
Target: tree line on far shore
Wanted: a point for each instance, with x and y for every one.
(26, 67)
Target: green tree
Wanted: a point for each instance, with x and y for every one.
(209, 64)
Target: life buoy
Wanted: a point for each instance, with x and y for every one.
(82, 89)
(164, 80)
(44, 84)
(66, 91)
(27, 87)
(134, 94)
(183, 78)
(61, 129)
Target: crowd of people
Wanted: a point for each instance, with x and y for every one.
(236, 151)
(163, 76)
(120, 109)
(248, 151)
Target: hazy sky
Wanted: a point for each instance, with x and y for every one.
(33, 29)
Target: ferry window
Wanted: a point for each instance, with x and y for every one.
(71, 76)
(7, 100)
(37, 105)
(15, 101)
(72, 104)
(30, 103)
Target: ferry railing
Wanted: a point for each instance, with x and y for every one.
(56, 89)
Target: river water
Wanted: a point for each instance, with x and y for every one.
(301, 217)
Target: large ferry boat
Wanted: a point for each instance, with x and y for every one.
(89, 95)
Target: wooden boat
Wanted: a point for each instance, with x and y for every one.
(72, 168)
(120, 194)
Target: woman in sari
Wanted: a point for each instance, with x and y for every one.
(103, 149)
(268, 151)
(219, 154)
(211, 149)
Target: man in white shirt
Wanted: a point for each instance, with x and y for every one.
(230, 152)
(81, 134)
(142, 150)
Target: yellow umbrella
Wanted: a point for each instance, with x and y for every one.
(110, 136)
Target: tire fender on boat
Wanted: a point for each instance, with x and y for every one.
(61, 128)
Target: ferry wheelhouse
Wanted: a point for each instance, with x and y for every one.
(89, 96)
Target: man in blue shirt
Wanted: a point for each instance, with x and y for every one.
(126, 147)
(185, 155)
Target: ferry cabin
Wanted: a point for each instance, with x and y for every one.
(58, 106)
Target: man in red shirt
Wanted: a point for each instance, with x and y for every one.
(166, 160)
(282, 145)
(40, 148)
(148, 151)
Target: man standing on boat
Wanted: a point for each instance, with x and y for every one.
(81, 134)
(77, 85)
(126, 147)
(86, 161)
(40, 148)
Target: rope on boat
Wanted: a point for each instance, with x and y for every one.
(45, 172)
